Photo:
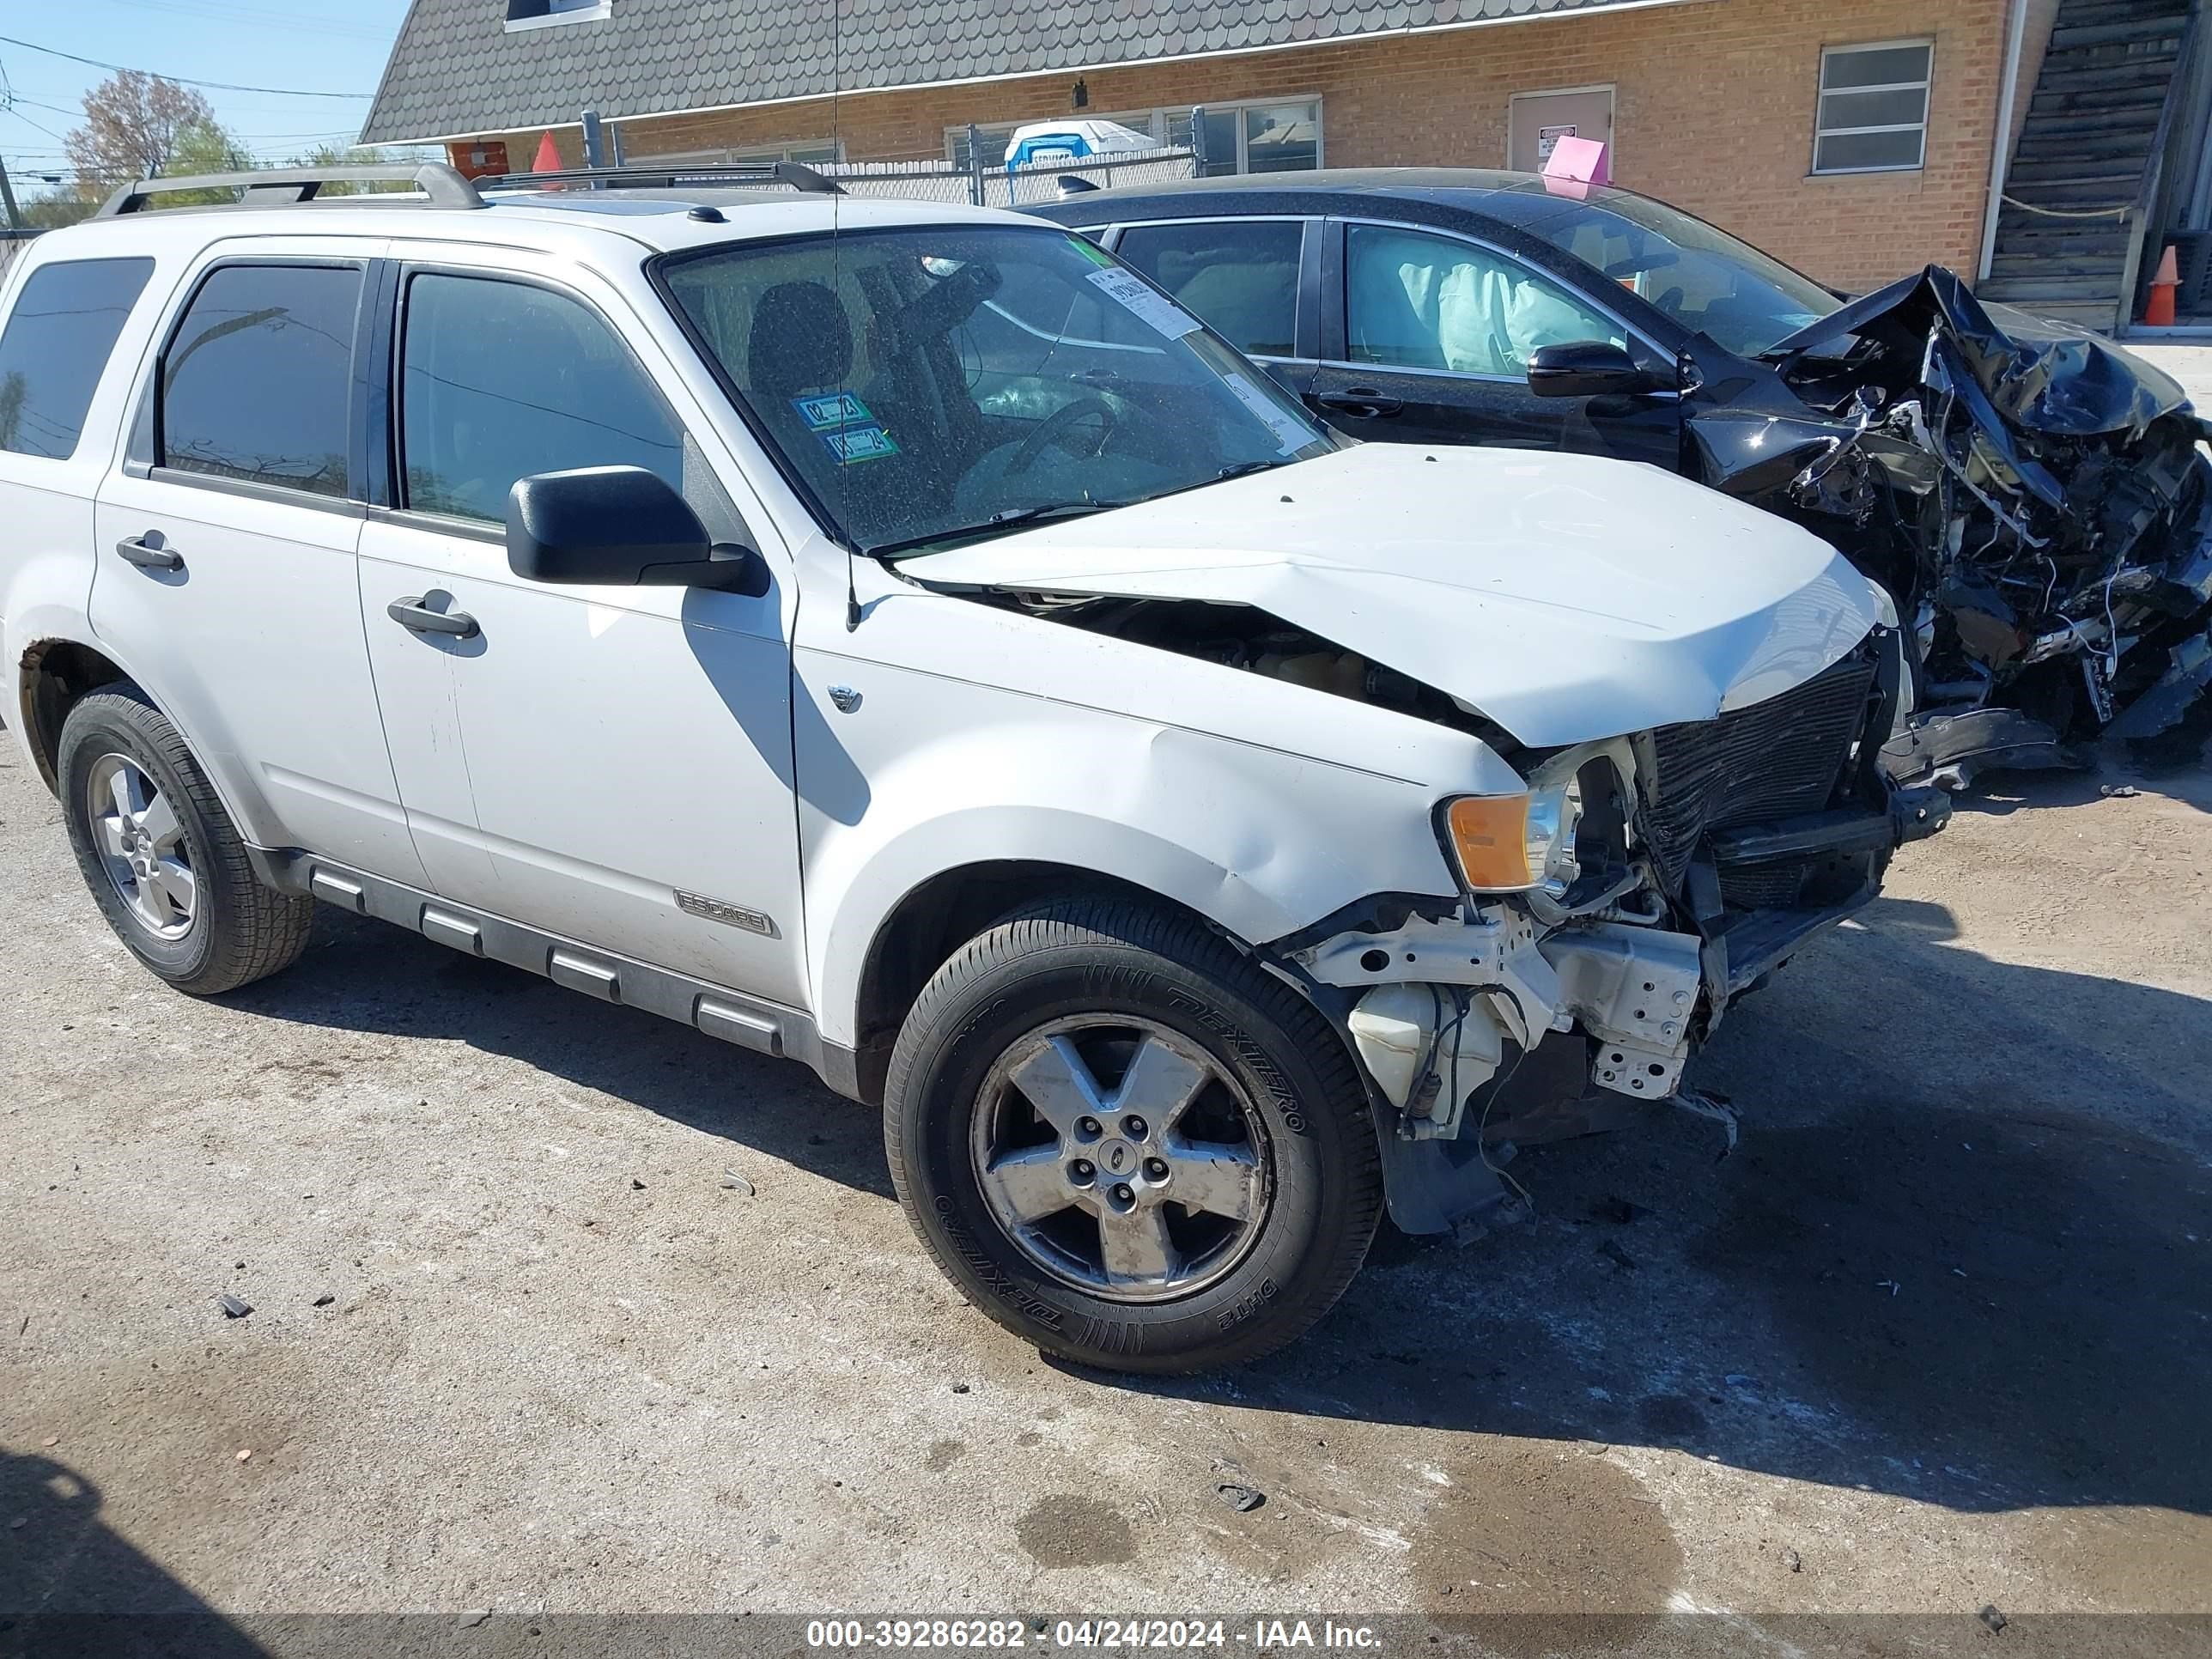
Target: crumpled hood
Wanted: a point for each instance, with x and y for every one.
(1565, 597)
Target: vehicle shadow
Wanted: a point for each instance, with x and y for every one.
(71, 1586)
(1958, 1254)
(366, 975)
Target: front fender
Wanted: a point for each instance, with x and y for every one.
(1259, 841)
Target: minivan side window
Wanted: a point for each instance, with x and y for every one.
(257, 381)
(56, 348)
(1414, 301)
(1242, 279)
(502, 381)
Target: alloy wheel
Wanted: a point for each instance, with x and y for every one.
(1121, 1158)
(141, 845)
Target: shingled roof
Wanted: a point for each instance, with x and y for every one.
(457, 70)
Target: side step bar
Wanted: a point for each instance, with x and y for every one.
(718, 1012)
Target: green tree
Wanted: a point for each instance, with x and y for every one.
(336, 156)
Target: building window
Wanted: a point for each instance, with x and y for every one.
(1257, 136)
(537, 14)
(1874, 107)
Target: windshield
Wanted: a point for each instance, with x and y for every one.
(1697, 275)
(929, 383)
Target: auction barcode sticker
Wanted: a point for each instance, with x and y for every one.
(1151, 308)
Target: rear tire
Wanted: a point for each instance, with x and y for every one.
(1127, 1143)
(165, 863)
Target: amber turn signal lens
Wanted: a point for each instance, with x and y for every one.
(1489, 837)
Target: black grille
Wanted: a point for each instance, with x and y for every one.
(1775, 759)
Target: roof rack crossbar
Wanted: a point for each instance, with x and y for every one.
(446, 187)
(638, 175)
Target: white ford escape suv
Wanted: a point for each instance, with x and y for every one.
(897, 637)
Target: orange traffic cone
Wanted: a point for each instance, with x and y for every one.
(2158, 309)
(548, 156)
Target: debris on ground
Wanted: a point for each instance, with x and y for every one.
(324, 1299)
(2118, 791)
(234, 1307)
(1242, 1498)
(1996, 1621)
(734, 1182)
(960, 1388)
(1792, 1560)
(2031, 497)
(246, 1453)
(474, 1617)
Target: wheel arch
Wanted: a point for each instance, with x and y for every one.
(50, 675)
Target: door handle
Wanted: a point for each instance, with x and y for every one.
(138, 551)
(1364, 400)
(411, 613)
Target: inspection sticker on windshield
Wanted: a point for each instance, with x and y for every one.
(1288, 432)
(1156, 309)
(834, 409)
(859, 443)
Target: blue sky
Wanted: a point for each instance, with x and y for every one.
(314, 46)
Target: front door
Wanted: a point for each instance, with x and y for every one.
(1536, 121)
(612, 765)
(226, 543)
(1426, 336)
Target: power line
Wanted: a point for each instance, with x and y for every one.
(181, 80)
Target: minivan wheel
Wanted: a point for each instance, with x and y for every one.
(1127, 1143)
(165, 863)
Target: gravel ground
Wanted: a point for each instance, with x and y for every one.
(1934, 1338)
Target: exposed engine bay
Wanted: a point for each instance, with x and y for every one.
(2032, 498)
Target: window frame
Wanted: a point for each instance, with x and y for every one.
(1636, 336)
(1925, 86)
(391, 476)
(1306, 322)
(146, 445)
(11, 302)
(552, 15)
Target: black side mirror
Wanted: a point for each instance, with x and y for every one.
(620, 526)
(1584, 368)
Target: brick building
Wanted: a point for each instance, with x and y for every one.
(1855, 138)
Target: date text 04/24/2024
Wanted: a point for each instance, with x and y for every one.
(987, 1634)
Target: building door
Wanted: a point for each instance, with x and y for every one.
(1537, 120)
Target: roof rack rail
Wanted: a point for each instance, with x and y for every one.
(637, 175)
(446, 187)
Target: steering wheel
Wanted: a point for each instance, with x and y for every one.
(1058, 422)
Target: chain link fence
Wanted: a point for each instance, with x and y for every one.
(939, 181)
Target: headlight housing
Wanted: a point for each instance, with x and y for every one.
(1513, 843)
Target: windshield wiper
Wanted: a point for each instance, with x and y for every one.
(1006, 520)
(1238, 469)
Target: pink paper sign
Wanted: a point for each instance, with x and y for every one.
(1577, 161)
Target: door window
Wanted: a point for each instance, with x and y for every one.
(56, 348)
(502, 381)
(1414, 301)
(1242, 278)
(257, 381)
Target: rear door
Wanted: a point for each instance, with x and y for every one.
(225, 543)
(1425, 336)
(1254, 280)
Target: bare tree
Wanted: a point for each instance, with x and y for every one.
(133, 123)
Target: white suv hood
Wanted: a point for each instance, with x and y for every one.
(1565, 597)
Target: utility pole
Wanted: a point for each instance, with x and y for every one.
(8, 198)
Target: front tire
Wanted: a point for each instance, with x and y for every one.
(165, 863)
(1127, 1143)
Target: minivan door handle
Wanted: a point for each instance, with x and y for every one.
(411, 613)
(139, 550)
(1365, 400)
